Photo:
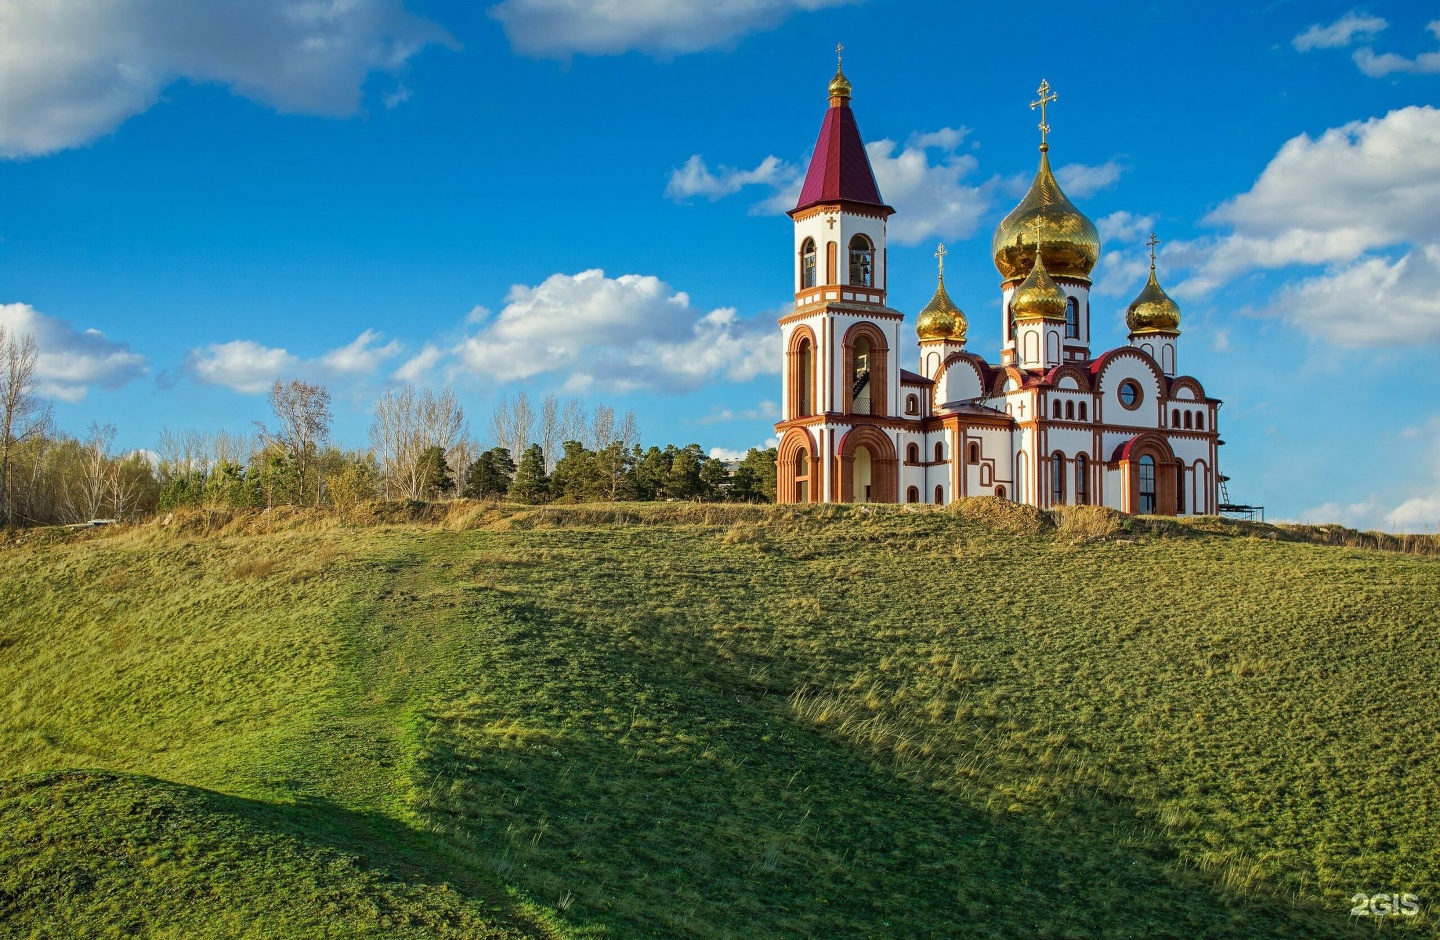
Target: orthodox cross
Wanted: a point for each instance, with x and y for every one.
(1152, 243)
(1045, 98)
(838, 58)
(941, 253)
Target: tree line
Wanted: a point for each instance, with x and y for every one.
(421, 448)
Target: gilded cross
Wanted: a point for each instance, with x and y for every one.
(1045, 98)
(1152, 243)
(940, 254)
(838, 58)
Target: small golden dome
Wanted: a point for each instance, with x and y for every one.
(839, 85)
(1038, 297)
(1072, 243)
(1153, 311)
(941, 319)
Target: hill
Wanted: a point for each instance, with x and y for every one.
(677, 721)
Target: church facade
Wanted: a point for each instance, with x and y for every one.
(1052, 422)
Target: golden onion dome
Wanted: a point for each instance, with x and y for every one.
(1153, 311)
(1071, 241)
(1038, 297)
(941, 318)
(839, 85)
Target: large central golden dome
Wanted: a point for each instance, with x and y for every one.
(1071, 242)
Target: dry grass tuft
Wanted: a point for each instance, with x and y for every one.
(1000, 515)
(1081, 524)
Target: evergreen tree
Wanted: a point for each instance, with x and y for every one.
(647, 480)
(435, 478)
(530, 485)
(683, 479)
(576, 478)
(754, 479)
(715, 481)
(490, 475)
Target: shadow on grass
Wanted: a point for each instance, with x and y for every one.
(100, 854)
(636, 779)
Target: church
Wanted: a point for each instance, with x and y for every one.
(1051, 423)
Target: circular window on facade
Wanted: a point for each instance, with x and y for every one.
(1130, 394)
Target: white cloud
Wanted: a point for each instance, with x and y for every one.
(1358, 188)
(765, 410)
(1386, 63)
(560, 28)
(74, 70)
(930, 198)
(633, 331)
(1080, 180)
(250, 368)
(421, 366)
(1122, 269)
(1413, 508)
(1372, 302)
(1340, 33)
(696, 179)
(71, 361)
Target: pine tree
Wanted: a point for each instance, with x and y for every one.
(530, 485)
(490, 475)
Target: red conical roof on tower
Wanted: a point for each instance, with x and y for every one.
(840, 169)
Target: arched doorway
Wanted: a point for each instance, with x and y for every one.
(798, 476)
(1149, 474)
(869, 468)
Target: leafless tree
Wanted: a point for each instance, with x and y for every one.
(511, 424)
(22, 415)
(86, 493)
(574, 422)
(602, 427)
(303, 412)
(405, 425)
(550, 430)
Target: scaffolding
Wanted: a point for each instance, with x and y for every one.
(1237, 510)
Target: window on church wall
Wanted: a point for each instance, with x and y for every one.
(912, 495)
(807, 263)
(1146, 485)
(830, 262)
(1189, 421)
(1069, 411)
(1082, 480)
(802, 477)
(1055, 411)
(912, 404)
(861, 392)
(939, 452)
(1130, 394)
(939, 495)
(1199, 420)
(1082, 412)
(1175, 417)
(1000, 492)
(986, 476)
(1180, 489)
(862, 262)
(974, 452)
(1072, 319)
(805, 378)
(1057, 478)
(912, 454)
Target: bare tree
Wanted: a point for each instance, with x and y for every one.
(511, 424)
(303, 412)
(22, 415)
(550, 430)
(602, 427)
(574, 423)
(405, 426)
(85, 495)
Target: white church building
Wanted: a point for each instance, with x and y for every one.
(1051, 423)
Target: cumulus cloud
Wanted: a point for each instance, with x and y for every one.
(696, 179)
(1378, 65)
(1413, 508)
(925, 182)
(1122, 268)
(1340, 33)
(250, 368)
(71, 361)
(1364, 186)
(1080, 180)
(74, 70)
(561, 28)
(629, 332)
(1370, 302)
(765, 410)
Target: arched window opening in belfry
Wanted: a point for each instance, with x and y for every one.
(860, 389)
(807, 263)
(862, 262)
(1174, 417)
(805, 378)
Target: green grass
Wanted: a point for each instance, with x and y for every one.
(708, 722)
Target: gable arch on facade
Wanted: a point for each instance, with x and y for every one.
(958, 379)
(1069, 377)
(1183, 384)
(879, 366)
(1007, 379)
(883, 465)
(1129, 457)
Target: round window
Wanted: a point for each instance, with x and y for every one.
(1130, 394)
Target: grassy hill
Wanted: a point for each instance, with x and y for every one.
(677, 721)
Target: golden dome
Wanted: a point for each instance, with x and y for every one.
(1072, 244)
(1153, 311)
(941, 319)
(839, 85)
(1038, 297)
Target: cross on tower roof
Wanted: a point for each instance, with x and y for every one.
(1045, 98)
(838, 57)
(940, 254)
(1152, 243)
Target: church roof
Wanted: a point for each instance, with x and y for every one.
(914, 378)
(840, 169)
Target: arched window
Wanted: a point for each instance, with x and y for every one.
(1072, 319)
(1174, 417)
(1180, 489)
(1199, 420)
(1055, 411)
(939, 452)
(1057, 478)
(1069, 411)
(1147, 485)
(807, 264)
(1189, 420)
(912, 495)
(860, 377)
(1000, 491)
(802, 477)
(830, 263)
(912, 455)
(1009, 324)
(1082, 480)
(805, 378)
(974, 452)
(1082, 412)
(862, 262)
(939, 495)
(912, 404)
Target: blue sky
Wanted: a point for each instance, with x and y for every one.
(201, 198)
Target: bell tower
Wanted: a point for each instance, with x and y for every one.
(841, 340)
